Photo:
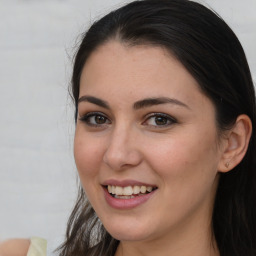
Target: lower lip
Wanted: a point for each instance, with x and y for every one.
(124, 204)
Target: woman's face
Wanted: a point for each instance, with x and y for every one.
(146, 131)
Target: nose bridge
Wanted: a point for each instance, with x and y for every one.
(122, 149)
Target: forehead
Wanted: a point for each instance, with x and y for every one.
(121, 70)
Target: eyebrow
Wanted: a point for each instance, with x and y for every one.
(94, 100)
(157, 101)
(137, 105)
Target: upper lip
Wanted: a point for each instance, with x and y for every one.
(126, 183)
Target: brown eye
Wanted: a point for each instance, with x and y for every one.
(95, 119)
(99, 119)
(159, 120)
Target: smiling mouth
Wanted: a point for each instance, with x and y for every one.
(129, 192)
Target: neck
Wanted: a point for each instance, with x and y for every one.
(193, 237)
(198, 244)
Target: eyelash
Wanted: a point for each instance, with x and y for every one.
(86, 119)
(168, 119)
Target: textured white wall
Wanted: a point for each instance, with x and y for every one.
(37, 171)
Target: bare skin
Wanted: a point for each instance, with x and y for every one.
(142, 119)
(14, 247)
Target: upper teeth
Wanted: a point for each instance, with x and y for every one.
(129, 190)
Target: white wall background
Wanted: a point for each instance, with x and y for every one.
(37, 171)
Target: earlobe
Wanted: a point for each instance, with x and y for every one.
(236, 144)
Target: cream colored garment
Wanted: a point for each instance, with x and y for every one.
(37, 247)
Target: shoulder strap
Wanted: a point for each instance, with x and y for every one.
(37, 247)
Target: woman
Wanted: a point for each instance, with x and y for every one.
(165, 135)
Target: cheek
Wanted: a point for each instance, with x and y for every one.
(87, 155)
(188, 157)
(187, 169)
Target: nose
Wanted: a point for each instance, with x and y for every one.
(122, 150)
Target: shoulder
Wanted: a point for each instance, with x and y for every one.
(14, 247)
(23, 247)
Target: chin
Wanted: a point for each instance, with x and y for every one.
(127, 232)
(123, 236)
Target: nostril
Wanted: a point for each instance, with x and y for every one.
(121, 153)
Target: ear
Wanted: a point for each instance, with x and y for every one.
(236, 144)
